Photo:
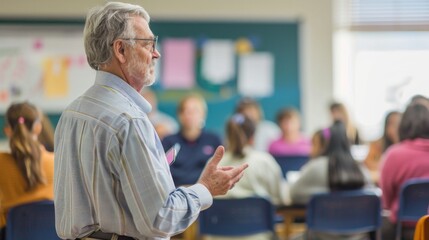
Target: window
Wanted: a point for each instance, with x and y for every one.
(380, 59)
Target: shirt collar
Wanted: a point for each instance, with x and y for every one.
(113, 81)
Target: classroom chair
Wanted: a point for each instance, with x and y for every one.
(344, 212)
(413, 202)
(237, 217)
(291, 163)
(34, 221)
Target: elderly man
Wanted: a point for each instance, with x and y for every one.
(112, 180)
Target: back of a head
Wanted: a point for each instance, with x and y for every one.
(103, 25)
(343, 171)
(239, 132)
(21, 119)
(414, 123)
(420, 99)
(339, 112)
(338, 141)
(250, 108)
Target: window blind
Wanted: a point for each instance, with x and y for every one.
(381, 15)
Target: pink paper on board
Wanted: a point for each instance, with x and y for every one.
(178, 63)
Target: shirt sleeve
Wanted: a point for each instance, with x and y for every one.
(157, 208)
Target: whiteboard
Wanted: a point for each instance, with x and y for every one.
(45, 65)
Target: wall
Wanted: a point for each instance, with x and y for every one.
(316, 36)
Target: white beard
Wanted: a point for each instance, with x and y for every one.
(135, 71)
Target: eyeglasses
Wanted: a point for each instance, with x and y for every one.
(154, 40)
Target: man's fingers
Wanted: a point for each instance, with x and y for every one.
(217, 156)
(237, 178)
(225, 168)
(236, 171)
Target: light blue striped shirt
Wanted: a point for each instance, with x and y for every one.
(111, 173)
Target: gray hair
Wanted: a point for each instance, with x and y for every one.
(103, 25)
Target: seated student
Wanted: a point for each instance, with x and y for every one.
(196, 144)
(420, 99)
(403, 161)
(163, 123)
(339, 113)
(292, 142)
(27, 173)
(263, 177)
(377, 148)
(332, 169)
(266, 131)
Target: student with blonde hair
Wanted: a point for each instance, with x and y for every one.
(339, 113)
(27, 172)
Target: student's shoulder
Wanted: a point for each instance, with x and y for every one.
(260, 155)
(317, 163)
(207, 134)
(5, 158)
(7, 163)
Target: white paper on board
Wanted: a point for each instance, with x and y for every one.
(218, 61)
(256, 74)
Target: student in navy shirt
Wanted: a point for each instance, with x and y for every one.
(196, 144)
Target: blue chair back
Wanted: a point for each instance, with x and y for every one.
(237, 217)
(34, 221)
(345, 212)
(291, 163)
(413, 202)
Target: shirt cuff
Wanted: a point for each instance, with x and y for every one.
(203, 194)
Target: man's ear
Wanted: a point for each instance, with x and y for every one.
(119, 51)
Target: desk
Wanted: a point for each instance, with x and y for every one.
(289, 214)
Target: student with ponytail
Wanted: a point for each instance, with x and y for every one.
(26, 173)
(263, 177)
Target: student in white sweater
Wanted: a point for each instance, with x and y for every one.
(263, 177)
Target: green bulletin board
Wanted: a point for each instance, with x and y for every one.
(281, 39)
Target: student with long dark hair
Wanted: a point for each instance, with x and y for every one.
(332, 168)
(26, 173)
